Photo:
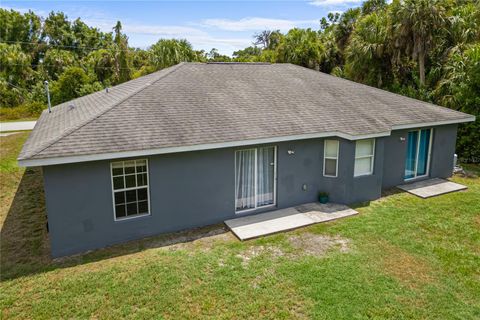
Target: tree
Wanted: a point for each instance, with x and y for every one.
(17, 27)
(345, 27)
(459, 90)
(215, 56)
(302, 47)
(69, 85)
(247, 54)
(464, 24)
(55, 62)
(371, 6)
(416, 23)
(367, 57)
(267, 39)
(333, 18)
(15, 65)
(168, 52)
(122, 57)
(102, 62)
(57, 30)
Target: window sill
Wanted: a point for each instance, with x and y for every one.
(364, 175)
(140, 216)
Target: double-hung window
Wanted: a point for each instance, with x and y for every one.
(330, 158)
(364, 157)
(255, 178)
(130, 188)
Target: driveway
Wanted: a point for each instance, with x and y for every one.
(16, 126)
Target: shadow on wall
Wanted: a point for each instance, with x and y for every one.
(25, 248)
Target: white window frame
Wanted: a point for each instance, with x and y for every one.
(131, 188)
(330, 158)
(256, 180)
(427, 172)
(371, 156)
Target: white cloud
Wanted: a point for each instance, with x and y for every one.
(320, 3)
(166, 30)
(256, 24)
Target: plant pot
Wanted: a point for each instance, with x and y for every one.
(323, 199)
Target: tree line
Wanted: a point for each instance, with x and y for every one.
(425, 49)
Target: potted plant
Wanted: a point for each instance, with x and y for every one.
(323, 197)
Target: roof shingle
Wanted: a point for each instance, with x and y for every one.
(198, 103)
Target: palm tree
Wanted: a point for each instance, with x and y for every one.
(368, 59)
(122, 55)
(302, 47)
(267, 39)
(168, 52)
(416, 23)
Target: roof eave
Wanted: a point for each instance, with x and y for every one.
(34, 162)
(433, 123)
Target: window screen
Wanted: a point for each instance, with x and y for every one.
(130, 188)
(364, 155)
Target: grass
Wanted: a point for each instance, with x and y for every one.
(402, 257)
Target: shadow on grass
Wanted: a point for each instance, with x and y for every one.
(25, 248)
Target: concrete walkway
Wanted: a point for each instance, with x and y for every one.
(431, 187)
(286, 219)
(16, 126)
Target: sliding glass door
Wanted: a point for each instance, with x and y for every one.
(418, 153)
(255, 180)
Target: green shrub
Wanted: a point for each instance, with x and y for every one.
(29, 110)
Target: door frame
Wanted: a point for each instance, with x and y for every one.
(256, 180)
(429, 155)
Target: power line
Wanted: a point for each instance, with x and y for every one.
(46, 66)
(64, 46)
(15, 85)
(11, 84)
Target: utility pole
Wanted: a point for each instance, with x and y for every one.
(48, 97)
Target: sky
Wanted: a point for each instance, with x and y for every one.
(227, 25)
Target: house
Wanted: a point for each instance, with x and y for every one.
(199, 143)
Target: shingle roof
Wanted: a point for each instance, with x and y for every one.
(197, 103)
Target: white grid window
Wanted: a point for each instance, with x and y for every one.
(330, 158)
(130, 188)
(364, 157)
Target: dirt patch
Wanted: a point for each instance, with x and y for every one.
(403, 266)
(255, 251)
(318, 245)
(477, 220)
(203, 239)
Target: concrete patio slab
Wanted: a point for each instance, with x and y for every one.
(286, 219)
(431, 187)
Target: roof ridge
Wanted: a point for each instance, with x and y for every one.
(89, 120)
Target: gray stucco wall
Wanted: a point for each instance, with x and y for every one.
(197, 188)
(441, 158)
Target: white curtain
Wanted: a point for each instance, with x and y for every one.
(245, 179)
(266, 171)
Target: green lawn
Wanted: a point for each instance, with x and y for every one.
(401, 257)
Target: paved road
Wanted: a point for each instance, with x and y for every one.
(16, 126)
